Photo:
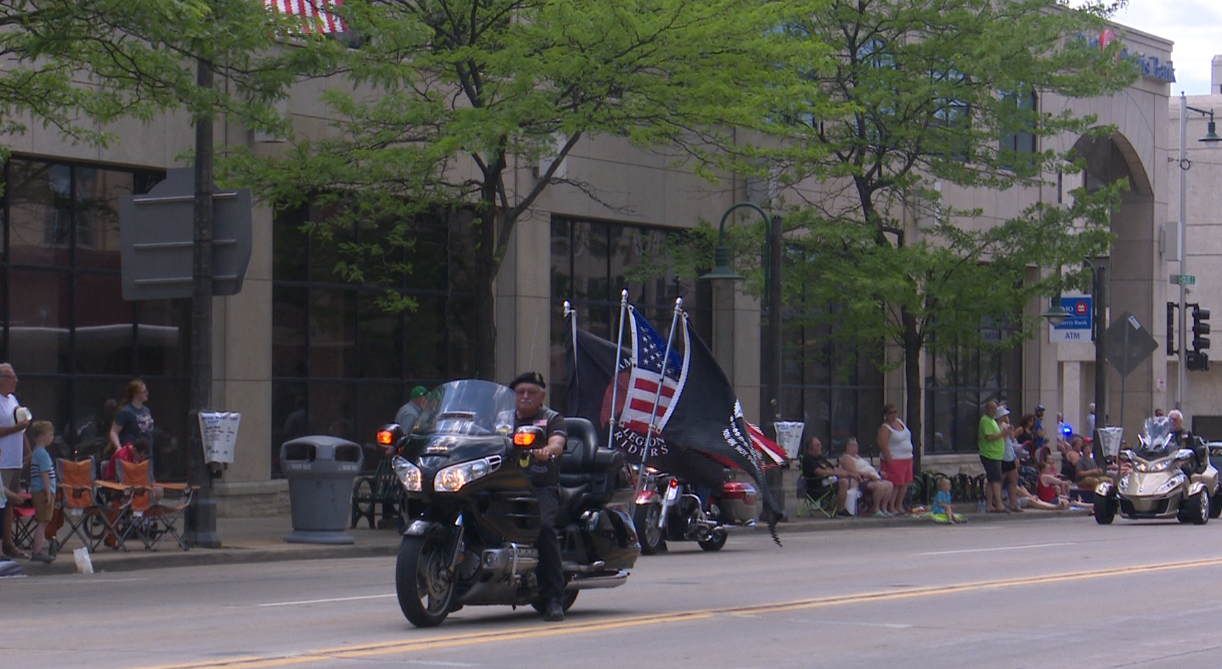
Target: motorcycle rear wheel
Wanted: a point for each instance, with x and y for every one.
(647, 531)
(424, 589)
(715, 542)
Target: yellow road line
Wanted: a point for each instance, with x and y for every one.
(466, 638)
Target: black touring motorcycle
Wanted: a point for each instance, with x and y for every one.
(471, 519)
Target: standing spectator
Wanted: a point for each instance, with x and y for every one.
(42, 486)
(895, 451)
(1024, 436)
(410, 413)
(1090, 420)
(1040, 438)
(860, 469)
(1009, 458)
(14, 451)
(133, 420)
(1158, 413)
(991, 443)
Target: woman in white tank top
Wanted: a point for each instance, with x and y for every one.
(895, 448)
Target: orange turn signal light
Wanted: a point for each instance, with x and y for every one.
(386, 437)
(524, 439)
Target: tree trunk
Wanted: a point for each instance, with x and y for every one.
(914, 387)
(482, 324)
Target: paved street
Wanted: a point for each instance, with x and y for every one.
(1052, 591)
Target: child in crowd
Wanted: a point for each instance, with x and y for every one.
(943, 511)
(42, 485)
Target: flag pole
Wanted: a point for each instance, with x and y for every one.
(670, 338)
(619, 351)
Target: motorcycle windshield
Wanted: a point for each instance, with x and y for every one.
(1156, 437)
(468, 407)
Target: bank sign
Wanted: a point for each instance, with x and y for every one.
(1076, 327)
(1147, 66)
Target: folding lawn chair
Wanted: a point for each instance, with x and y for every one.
(91, 508)
(822, 498)
(150, 518)
(24, 524)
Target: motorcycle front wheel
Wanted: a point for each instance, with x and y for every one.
(424, 588)
(648, 533)
(570, 596)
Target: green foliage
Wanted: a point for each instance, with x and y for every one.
(472, 105)
(77, 65)
(931, 90)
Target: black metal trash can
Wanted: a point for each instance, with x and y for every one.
(320, 470)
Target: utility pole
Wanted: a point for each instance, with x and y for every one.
(202, 530)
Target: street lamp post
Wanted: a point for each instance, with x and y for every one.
(772, 299)
(1211, 137)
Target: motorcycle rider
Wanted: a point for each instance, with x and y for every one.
(544, 469)
(1184, 439)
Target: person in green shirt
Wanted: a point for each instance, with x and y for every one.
(992, 448)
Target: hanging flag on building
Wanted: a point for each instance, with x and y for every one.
(317, 17)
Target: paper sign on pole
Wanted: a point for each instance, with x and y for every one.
(220, 433)
(789, 436)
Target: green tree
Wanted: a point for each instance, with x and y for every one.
(79, 65)
(467, 108)
(940, 93)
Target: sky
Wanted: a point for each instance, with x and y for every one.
(1194, 26)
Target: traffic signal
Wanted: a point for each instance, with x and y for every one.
(1197, 359)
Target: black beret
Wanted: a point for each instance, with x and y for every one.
(528, 377)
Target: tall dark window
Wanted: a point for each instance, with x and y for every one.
(591, 263)
(341, 364)
(958, 385)
(64, 325)
(1019, 147)
(828, 383)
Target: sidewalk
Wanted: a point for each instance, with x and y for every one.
(262, 540)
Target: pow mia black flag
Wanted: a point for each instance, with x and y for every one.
(707, 417)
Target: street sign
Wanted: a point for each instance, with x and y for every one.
(1184, 279)
(156, 239)
(1128, 344)
(1077, 325)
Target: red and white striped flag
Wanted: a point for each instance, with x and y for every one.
(318, 19)
(648, 372)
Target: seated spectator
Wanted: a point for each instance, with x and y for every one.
(871, 484)
(1087, 472)
(943, 510)
(820, 474)
(1051, 488)
(1028, 501)
(1069, 459)
(135, 453)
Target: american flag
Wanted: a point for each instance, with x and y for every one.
(318, 18)
(647, 374)
(772, 451)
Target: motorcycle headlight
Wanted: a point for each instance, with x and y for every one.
(1170, 484)
(1158, 466)
(454, 477)
(408, 474)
